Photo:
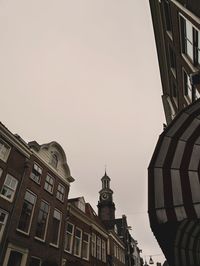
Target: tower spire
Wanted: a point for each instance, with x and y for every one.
(106, 206)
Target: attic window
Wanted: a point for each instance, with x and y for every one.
(81, 205)
(54, 160)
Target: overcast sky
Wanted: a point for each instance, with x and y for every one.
(84, 73)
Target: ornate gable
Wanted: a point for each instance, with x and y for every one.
(54, 156)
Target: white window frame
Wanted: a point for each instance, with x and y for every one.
(189, 86)
(47, 222)
(38, 170)
(51, 192)
(88, 245)
(185, 54)
(99, 248)
(75, 238)
(58, 193)
(37, 259)
(4, 157)
(12, 189)
(72, 236)
(11, 248)
(103, 250)
(81, 204)
(33, 210)
(58, 238)
(94, 245)
(3, 223)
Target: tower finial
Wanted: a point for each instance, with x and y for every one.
(105, 169)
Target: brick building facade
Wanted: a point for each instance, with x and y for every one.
(39, 225)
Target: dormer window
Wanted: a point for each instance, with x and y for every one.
(54, 160)
(81, 204)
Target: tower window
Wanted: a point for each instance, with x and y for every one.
(106, 184)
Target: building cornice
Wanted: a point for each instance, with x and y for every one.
(14, 141)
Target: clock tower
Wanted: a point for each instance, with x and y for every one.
(106, 206)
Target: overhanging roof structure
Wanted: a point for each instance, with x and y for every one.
(174, 189)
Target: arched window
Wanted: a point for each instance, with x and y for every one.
(54, 160)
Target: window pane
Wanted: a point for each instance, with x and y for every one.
(9, 187)
(77, 242)
(26, 213)
(189, 31)
(42, 220)
(15, 259)
(4, 150)
(34, 262)
(3, 220)
(189, 48)
(56, 227)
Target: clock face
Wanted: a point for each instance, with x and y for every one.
(104, 196)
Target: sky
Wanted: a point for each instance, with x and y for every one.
(84, 73)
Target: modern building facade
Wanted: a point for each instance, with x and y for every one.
(173, 187)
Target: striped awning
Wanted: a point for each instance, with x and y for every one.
(174, 186)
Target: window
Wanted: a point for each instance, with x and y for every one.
(190, 40)
(106, 184)
(81, 204)
(56, 227)
(49, 184)
(98, 248)
(172, 61)
(167, 12)
(15, 258)
(115, 250)
(187, 86)
(60, 192)
(42, 220)
(27, 212)
(35, 262)
(3, 220)
(36, 173)
(4, 150)
(77, 242)
(9, 187)
(103, 251)
(85, 249)
(69, 237)
(54, 160)
(93, 245)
